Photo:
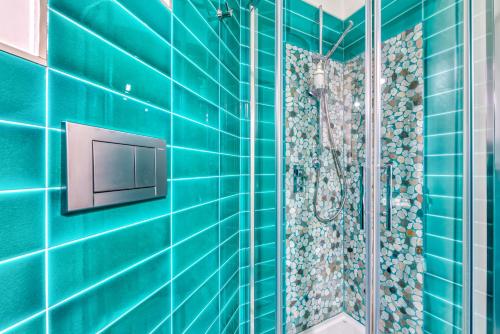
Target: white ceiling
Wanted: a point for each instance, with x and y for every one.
(338, 8)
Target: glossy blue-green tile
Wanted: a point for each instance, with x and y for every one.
(197, 303)
(444, 123)
(110, 300)
(230, 165)
(265, 218)
(75, 267)
(229, 248)
(186, 253)
(444, 185)
(444, 268)
(302, 8)
(115, 23)
(205, 322)
(189, 193)
(229, 206)
(445, 248)
(74, 50)
(265, 323)
(230, 47)
(190, 105)
(444, 206)
(230, 268)
(229, 123)
(64, 228)
(265, 200)
(264, 165)
(451, 101)
(229, 144)
(442, 309)
(264, 275)
(188, 163)
(154, 15)
(194, 135)
(189, 222)
(447, 227)
(146, 316)
(195, 17)
(445, 17)
(22, 90)
(190, 45)
(441, 40)
(229, 308)
(229, 226)
(164, 327)
(75, 101)
(23, 151)
(229, 83)
(443, 289)
(444, 61)
(22, 230)
(229, 185)
(194, 277)
(22, 292)
(444, 165)
(444, 81)
(32, 326)
(265, 235)
(447, 143)
(265, 252)
(265, 304)
(433, 324)
(230, 103)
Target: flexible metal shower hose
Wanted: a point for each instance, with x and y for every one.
(338, 169)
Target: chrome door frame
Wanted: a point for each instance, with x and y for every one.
(278, 129)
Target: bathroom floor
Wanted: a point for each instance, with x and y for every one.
(340, 324)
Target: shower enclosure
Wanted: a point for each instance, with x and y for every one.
(371, 167)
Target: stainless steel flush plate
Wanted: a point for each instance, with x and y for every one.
(105, 167)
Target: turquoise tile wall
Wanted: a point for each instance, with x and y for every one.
(164, 266)
(443, 56)
(302, 28)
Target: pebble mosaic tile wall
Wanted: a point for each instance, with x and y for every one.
(164, 266)
(325, 262)
(314, 250)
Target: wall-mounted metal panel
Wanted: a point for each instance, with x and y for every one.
(106, 167)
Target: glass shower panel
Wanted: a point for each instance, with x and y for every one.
(259, 48)
(324, 137)
(399, 110)
(418, 136)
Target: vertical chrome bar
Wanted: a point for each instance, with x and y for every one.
(368, 170)
(376, 197)
(496, 171)
(321, 30)
(253, 104)
(467, 178)
(278, 123)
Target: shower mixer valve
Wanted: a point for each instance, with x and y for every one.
(299, 179)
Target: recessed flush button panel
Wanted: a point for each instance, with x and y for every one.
(113, 166)
(106, 167)
(145, 173)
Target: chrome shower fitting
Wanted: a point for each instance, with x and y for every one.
(221, 15)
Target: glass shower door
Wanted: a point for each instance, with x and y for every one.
(399, 154)
(418, 149)
(324, 268)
